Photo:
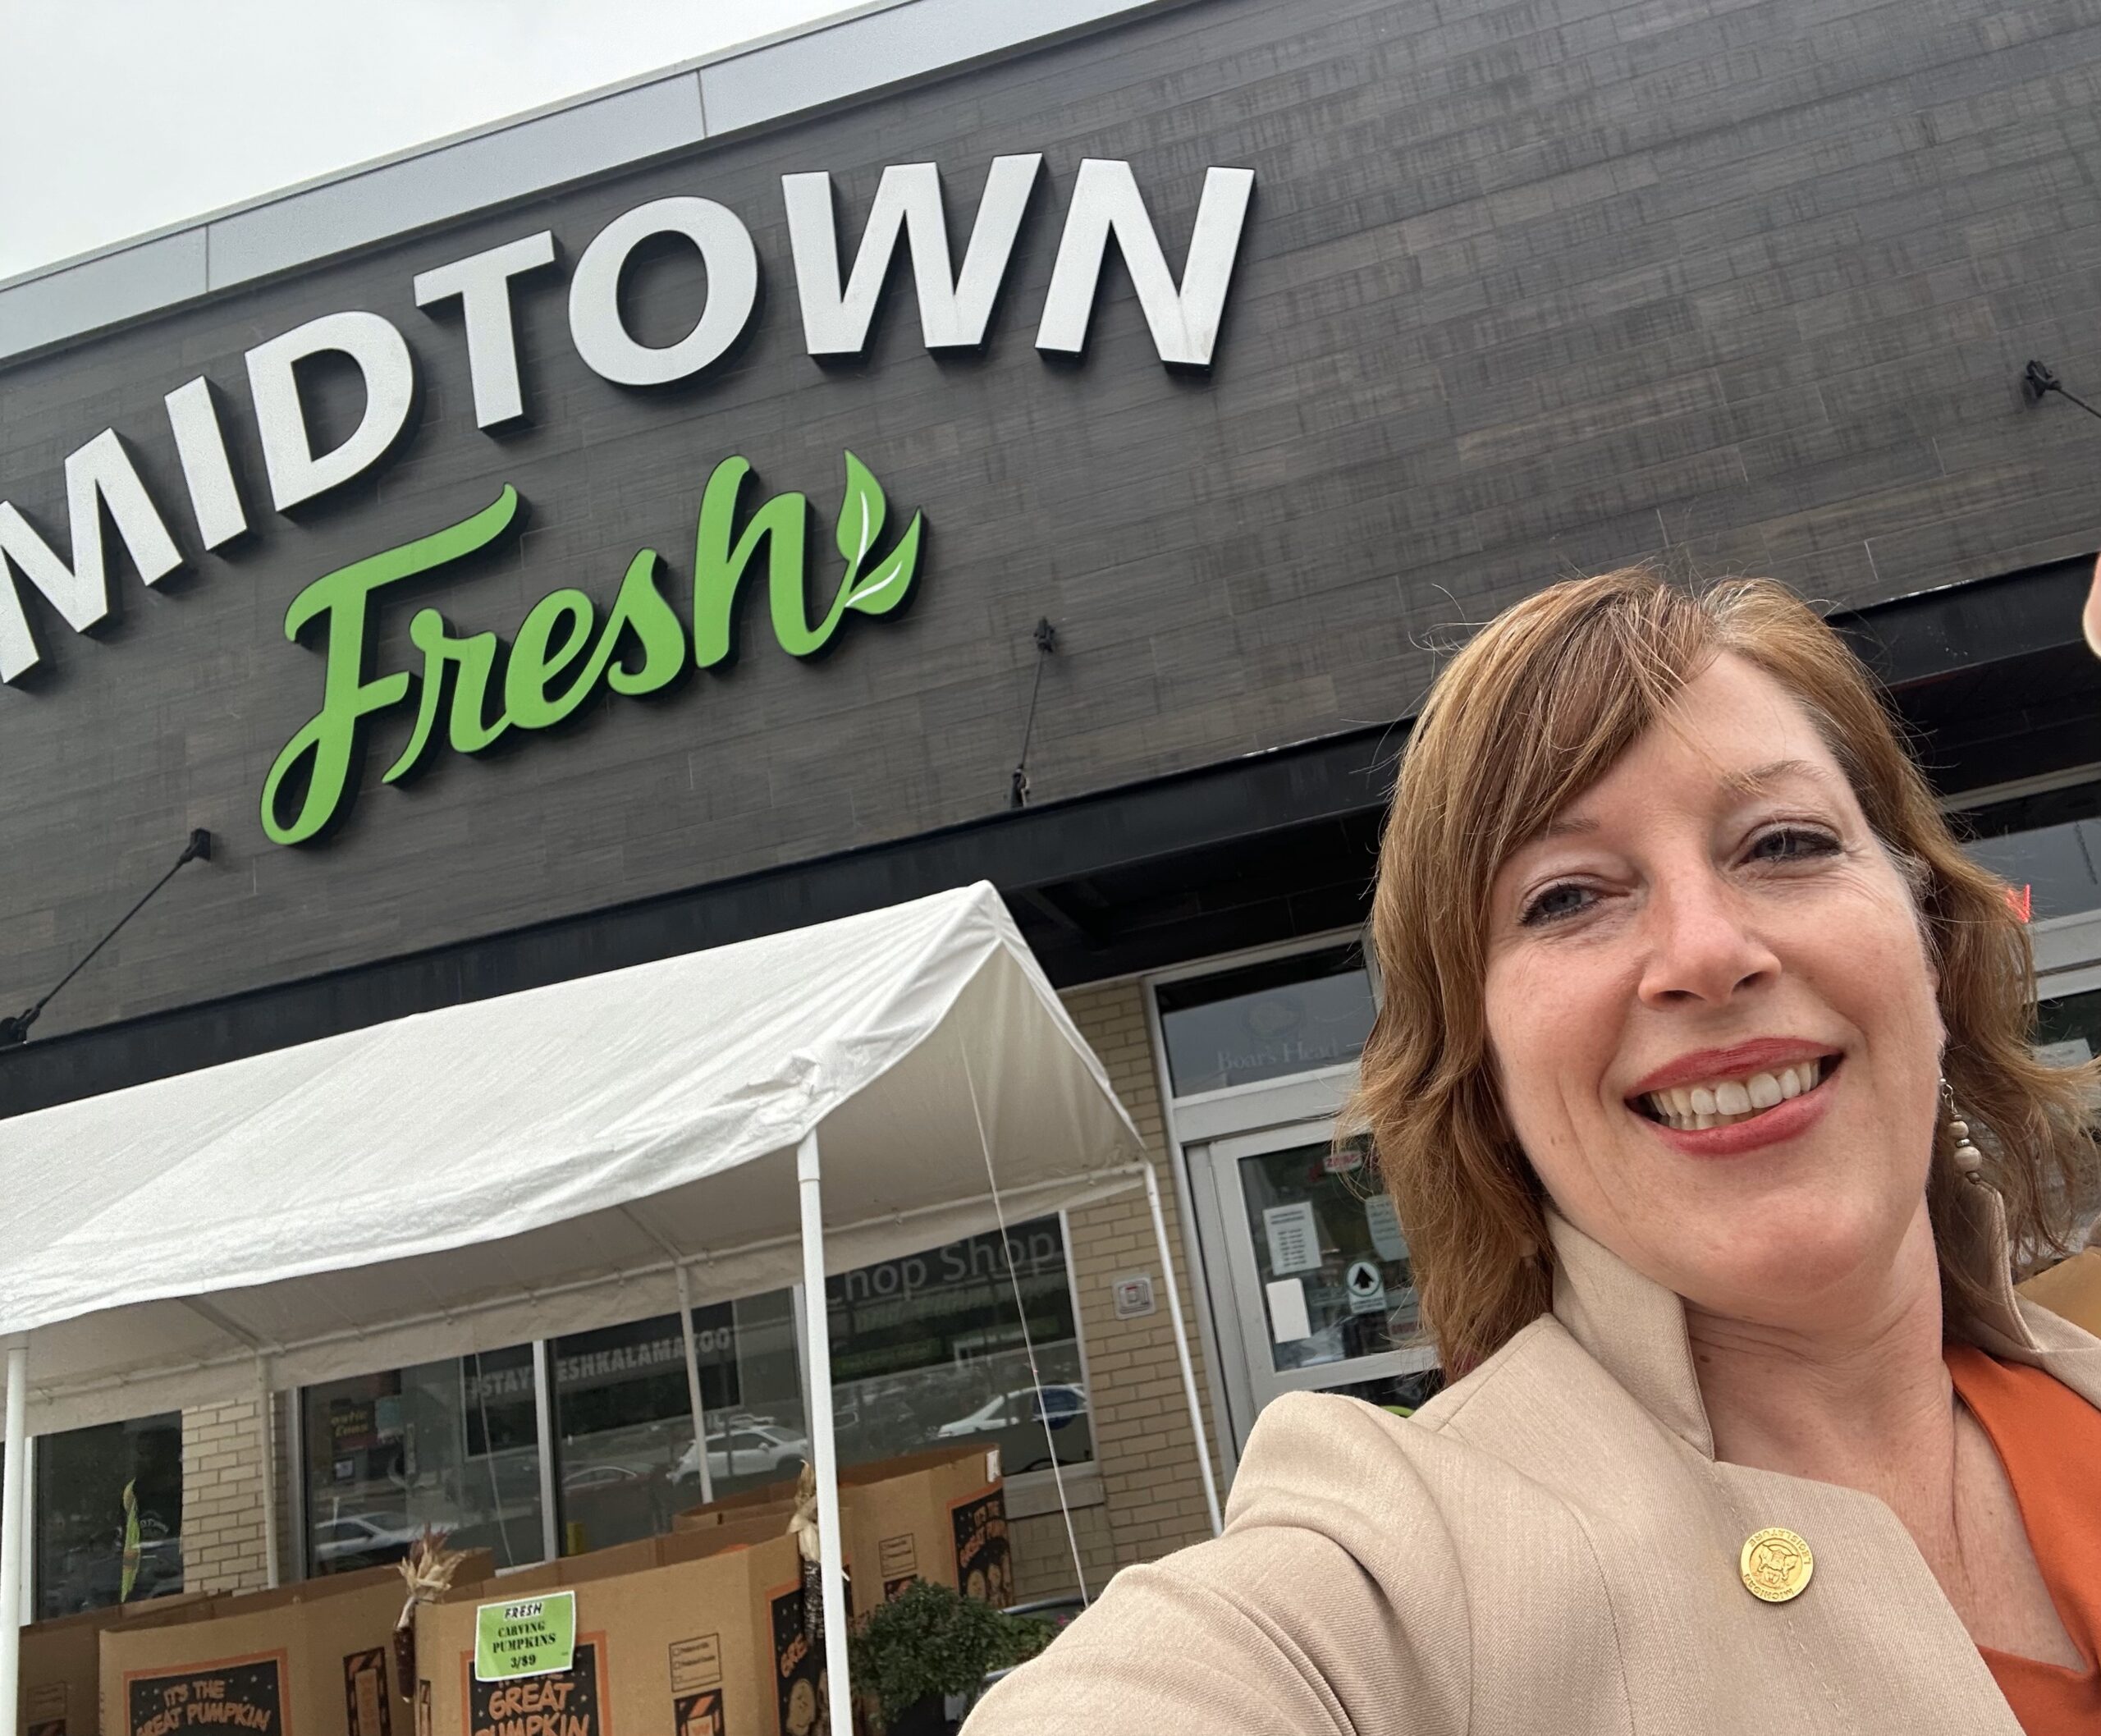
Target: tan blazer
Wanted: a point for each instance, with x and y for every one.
(2071, 1289)
(1549, 1545)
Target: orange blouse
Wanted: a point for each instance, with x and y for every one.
(2048, 1438)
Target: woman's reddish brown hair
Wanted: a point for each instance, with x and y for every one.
(1524, 720)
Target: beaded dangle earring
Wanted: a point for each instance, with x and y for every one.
(1969, 1161)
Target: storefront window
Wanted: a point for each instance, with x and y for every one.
(928, 1351)
(452, 1445)
(625, 1422)
(82, 1521)
(1265, 1021)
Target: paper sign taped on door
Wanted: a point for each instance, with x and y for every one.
(1294, 1238)
(1288, 1322)
(1384, 1224)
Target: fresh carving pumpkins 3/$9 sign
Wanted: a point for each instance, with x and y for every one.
(465, 691)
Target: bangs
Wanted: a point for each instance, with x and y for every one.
(1559, 695)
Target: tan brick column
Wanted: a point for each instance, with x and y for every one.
(223, 1498)
(1142, 1442)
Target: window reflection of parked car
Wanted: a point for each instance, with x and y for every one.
(748, 1449)
(1032, 1406)
(362, 1540)
(577, 1478)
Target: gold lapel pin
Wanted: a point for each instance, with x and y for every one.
(1776, 1564)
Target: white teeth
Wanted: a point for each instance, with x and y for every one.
(1723, 1102)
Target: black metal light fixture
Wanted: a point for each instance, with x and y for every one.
(2038, 380)
(16, 1030)
(1046, 646)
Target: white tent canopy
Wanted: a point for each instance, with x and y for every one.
(515, 1168)
(594, 1152)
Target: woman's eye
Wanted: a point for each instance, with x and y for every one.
(1555, 903)
(1793, 844)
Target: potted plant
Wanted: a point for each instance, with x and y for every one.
(929, 1644)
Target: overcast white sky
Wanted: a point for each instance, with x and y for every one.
(117, 116)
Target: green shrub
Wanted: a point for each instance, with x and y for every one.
(930, 1641)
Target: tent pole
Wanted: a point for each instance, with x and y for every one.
(1182, 1350)
(14, 1510)
(692, 1384)
(265, 1418)
(824, 1449)
(543, 1438)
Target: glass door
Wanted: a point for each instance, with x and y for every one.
(1319, 1292)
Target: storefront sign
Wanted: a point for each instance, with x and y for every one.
(469, 690)
(532, 1636)
(641, 1360)
(352, 1426)
(562, 654)
(1029, 1252)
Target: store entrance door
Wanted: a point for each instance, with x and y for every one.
(1318, 1296)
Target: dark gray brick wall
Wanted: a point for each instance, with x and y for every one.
(1526, 289)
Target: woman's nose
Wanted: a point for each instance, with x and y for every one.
(1702, 944)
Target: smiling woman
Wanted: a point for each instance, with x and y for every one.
(1685, 976)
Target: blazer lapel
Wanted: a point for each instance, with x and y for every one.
(1870, 1674)
(1632, 1325)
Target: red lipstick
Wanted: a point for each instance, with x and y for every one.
(1740, 1061)
(1785, 1120)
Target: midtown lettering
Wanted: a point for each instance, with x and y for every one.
(839, 308)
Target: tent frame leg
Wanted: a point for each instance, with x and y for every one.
(824, 1448)
(543, 1438)
(14, 1512)
(693, 1385)
(266, 1416)
(1182, 1350)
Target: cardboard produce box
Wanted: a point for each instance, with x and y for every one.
(305, 1660)
(939, 1515)
(60, 1661)
(701, 1634)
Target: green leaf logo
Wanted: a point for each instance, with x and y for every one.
(860, 515)
(884, 588)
